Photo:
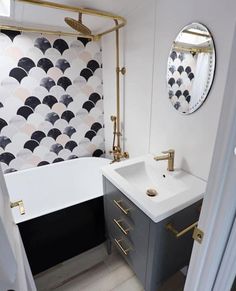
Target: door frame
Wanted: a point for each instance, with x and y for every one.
(219, 204)
(227, 271)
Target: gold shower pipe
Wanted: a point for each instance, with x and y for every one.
(118, 86)
(91, 12)
(116, 151)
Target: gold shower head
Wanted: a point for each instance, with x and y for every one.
(78, 25)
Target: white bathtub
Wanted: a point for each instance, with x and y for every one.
(53, 187)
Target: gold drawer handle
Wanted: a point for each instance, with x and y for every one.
(117, 222)
(19, 204)
(177, 233)
(124, 251)
(118, 204)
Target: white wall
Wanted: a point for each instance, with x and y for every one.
(192, 136)
(136, 91)
(149, 34)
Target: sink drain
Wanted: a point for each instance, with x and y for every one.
(151, 192)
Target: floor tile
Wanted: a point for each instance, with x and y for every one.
(112, 280)
(96, 271)
(55, 276)
(80, 282)
(131, 284)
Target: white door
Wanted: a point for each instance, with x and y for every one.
(227, 271)
(219, 205)
(15, 273)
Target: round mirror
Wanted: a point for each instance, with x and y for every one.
(190, 69)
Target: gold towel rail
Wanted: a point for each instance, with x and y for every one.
(178, 234)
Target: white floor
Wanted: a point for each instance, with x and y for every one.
(95, 271)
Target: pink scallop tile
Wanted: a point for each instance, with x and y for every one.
(14, 52)
(91, 147)
(62, 139)
(28, 129)
(85, 56)
(88, 90)
(59, 108)
(89, 120)
(34, 160)
(22, 93)
(55, 73)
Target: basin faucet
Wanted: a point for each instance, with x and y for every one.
(168, 155)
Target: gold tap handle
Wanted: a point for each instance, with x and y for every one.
(19, 204)
(170, 151)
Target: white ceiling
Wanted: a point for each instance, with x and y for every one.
(40, 17)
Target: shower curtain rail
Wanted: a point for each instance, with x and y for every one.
(92, 12)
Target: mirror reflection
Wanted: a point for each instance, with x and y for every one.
(190, 69)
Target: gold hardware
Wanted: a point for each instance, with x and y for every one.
(191, 49)
(91, 12)
(123, 71)
(116, 151)
(204, 34)
(177, 233)
(124, 251)
(151, 192)
(170, 156)
(198, 235)
(19, 204)
(118, 204)
(118, 223)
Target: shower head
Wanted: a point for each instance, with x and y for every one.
(78, 25)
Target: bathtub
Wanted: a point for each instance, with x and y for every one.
(64, 214)
(56, 186)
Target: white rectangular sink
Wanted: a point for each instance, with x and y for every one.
(174, 190)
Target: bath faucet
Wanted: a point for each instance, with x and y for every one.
(168, 155)
(116, 148)
(118, 154)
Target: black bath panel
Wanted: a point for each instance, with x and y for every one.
(61, 235)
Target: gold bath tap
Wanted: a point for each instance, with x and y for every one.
(118, 154)
(168, 155)
(116, 149)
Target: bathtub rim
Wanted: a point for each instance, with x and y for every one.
(54, 165)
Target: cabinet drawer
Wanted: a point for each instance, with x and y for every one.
(121, 225)
(137, 259)
(126, 208)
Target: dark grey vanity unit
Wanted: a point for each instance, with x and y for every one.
(152, 251)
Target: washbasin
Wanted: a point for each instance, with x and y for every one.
(173, 190)
(147, 174)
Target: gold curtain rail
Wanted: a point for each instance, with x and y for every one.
(197, 33)
(192, 50)
(91, 12)
(44, 31)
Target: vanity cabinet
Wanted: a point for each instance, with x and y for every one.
(152, 251)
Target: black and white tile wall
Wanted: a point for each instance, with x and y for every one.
(180, 77)
(51, 100)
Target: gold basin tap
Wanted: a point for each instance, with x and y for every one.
(168, 155)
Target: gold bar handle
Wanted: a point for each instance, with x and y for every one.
(177, 233)
(118, 204)
(124, 251)
(117, 222)
(19, 204)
